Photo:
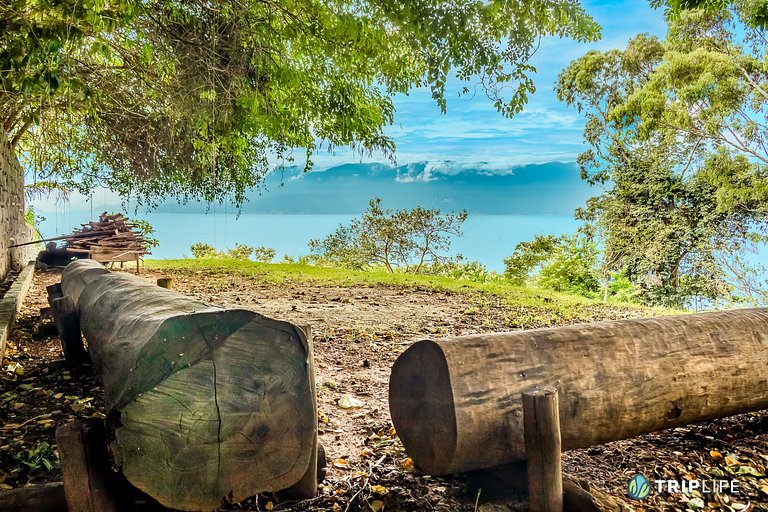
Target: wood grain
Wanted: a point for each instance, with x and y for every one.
(456, 402)
(206, 403)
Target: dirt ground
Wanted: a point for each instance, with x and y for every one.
(357, 334)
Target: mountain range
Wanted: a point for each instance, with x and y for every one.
(552, 188)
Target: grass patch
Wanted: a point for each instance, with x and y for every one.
(550, 303)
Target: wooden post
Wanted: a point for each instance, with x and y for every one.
(85, 468)
(65, 317)
(541, 429)
(165, 282)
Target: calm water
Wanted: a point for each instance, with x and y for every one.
(487, 238)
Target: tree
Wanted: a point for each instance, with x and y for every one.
(196, 98)
(560, 263)
(677, 133)
(407, 239)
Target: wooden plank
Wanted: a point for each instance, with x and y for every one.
(34, 498)
(542, 450)
(85, 468)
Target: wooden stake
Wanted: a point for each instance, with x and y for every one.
(165, 282)
(85, 468)
(65, 317)
(541, 429)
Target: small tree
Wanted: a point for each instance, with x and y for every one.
(407, 239)
(562, 263)
(203, 250)
(264, 254)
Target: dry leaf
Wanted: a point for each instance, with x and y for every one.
(350, 402)
(716, 455)
(731, 461)
(377, 505)
(341, 463)
(408, 464)
(269, 505)
(379, 489)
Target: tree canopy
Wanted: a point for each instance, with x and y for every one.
(194, 98)
(677, 130)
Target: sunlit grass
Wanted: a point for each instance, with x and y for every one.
(546, 303)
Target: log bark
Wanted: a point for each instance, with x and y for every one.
(206, 403)
(456, 402)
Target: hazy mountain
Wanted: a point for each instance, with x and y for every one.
(550, 188)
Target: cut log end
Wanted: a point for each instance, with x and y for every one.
(421, 383)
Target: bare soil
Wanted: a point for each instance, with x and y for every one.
(358, 332)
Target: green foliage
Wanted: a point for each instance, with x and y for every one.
(147, 231)
(677, 134)
(462, 270)
(38, 460)
(32, 220)
(564, 263)
(528, 258)
(264, 254)
(242, 252)
(403, 239)
(189, 99)
(203, 250)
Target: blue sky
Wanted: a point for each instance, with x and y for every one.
(472, 131)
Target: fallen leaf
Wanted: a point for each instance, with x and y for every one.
(377, 505)
(18, 405)
(716, 455)
(57, 396)
(350, 402)
(341, 463)
(269, 505)
(379, 489)
(748, 470)
(408, 464)
(731, 461)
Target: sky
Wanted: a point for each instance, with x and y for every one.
(472, 131)
(472, 134)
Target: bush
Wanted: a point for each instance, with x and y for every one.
(239, 252)
(565, 263)
(468, 271)
(264, 254)
(203, 250)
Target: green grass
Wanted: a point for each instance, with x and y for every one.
(560, 304)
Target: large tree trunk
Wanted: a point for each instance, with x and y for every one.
(207, 403)
(456, 403)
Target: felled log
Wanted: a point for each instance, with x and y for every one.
(206, 403)
(456, 402)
